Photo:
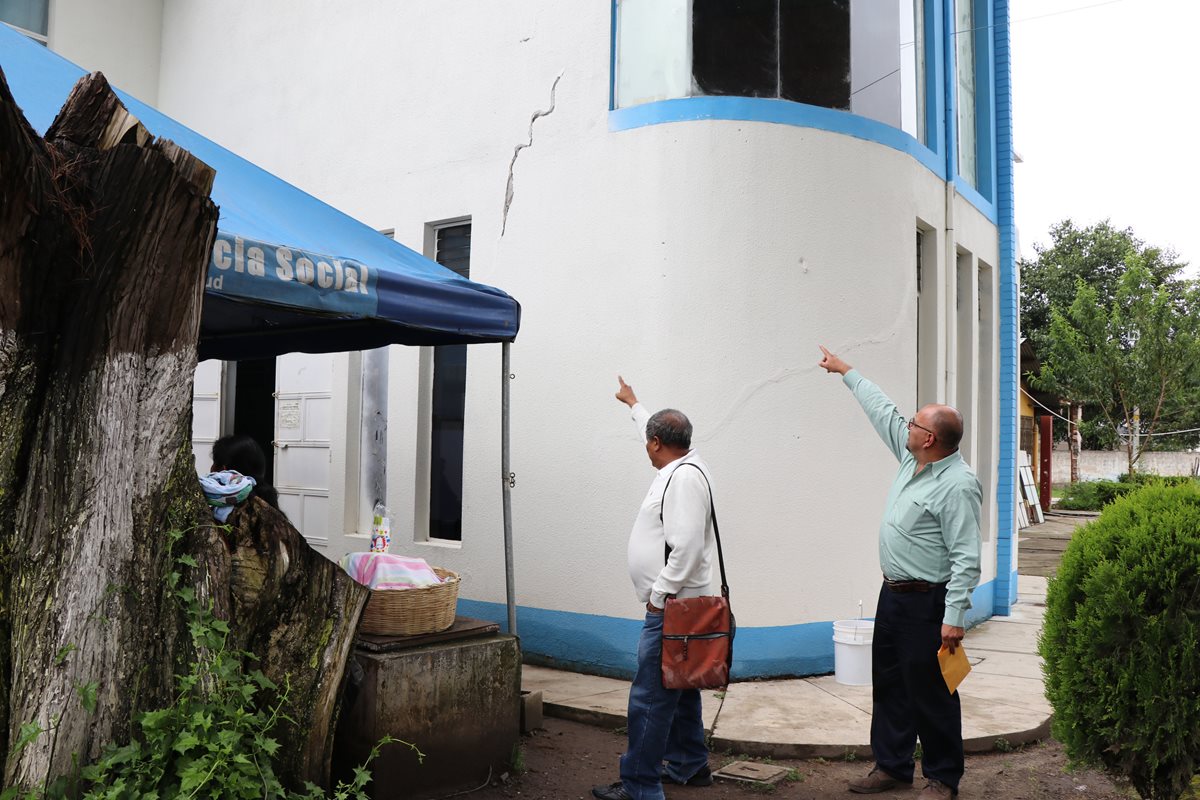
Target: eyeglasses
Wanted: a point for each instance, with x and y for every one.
(912, 424)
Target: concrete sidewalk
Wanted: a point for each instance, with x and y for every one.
(1003, 702)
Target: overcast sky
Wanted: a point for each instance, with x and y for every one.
(1106, 106)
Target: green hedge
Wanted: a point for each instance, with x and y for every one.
(1092, 495)
(1121, 640)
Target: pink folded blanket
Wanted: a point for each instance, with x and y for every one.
(389, 571)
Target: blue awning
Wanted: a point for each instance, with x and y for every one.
(288, 273)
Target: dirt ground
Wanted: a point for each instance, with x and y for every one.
(565, 759)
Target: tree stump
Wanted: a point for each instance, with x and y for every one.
(105, 235)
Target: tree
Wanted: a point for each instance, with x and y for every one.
(1096, 255)
(1135, 358)
(105, 234)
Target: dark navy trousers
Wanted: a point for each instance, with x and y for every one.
(909, 694)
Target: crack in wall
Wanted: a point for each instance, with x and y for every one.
(508, 191)
(787, 373)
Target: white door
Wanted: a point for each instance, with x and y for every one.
(303, 400)
(206, 411)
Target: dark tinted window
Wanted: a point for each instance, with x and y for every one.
(735, 45)
(814, 52)
(795, 49)
(449, 404)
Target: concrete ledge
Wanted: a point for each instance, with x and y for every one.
(1003, 700)
(790, 750)
(985, 744)
(588, 716)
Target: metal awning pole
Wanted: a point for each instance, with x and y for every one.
(507, 481)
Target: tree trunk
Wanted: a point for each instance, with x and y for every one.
(105, 235)
(1075, 438)
(297, 611)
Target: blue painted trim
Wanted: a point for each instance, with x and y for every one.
(1006, 583)
(949, 91)
(934, 77)
(972, 196)
(773, 110)
(985, 115)
(612, 58)
(980, 196)
(602, 645)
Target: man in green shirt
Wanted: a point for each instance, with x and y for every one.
(929, 549)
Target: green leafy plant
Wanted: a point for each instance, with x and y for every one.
(1092, 495)
(517, 762)
(1121, 641)
(215, 739)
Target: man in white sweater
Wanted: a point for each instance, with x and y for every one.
(670, 555)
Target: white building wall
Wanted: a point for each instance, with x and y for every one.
(704, 261)
(121, 38)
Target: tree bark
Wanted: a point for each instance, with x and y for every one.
(294, 609)
(105, 235)
(1075, 439)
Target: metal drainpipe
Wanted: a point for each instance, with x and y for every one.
(950, 387)
(506, 483)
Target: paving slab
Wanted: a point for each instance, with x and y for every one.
(558, 685)
(997, 635)
(1024, 612)
(593, 699)
(790, 719)
(999, 662)
(1032, 584)
(857, 696)
(1003, 699)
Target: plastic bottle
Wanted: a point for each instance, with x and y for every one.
(381, 529)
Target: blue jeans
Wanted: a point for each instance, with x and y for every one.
(664, 724)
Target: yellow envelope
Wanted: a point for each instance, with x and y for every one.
(954, 667)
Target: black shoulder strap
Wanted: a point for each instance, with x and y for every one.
(712, 508)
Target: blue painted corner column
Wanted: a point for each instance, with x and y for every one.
(1006, 564)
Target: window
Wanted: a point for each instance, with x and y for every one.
(866, 58)
(452, 250)
(964, 66)
(30, 17)
(1027, 434)
(773, 48)
(912, 69)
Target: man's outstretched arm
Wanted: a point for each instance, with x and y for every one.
(640, 414)
(880, 410)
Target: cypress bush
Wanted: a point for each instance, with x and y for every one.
(1121, 641)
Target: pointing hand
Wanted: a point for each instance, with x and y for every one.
(831, 363)
(625, 393)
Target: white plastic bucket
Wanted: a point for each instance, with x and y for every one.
(852, 651)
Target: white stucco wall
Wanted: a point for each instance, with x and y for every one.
(704, 261)
(121, 38)
(1108, 465)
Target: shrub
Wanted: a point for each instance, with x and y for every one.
(1143, 478)
(1093, 495)
(1121, 641)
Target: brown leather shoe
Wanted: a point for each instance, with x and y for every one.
(876, 781)
(936, 790)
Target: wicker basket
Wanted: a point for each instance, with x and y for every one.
(407, 612)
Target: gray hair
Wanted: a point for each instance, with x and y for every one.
(670, 427)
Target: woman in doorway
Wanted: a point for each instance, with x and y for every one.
(240, 453)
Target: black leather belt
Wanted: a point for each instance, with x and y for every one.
(910, 586)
